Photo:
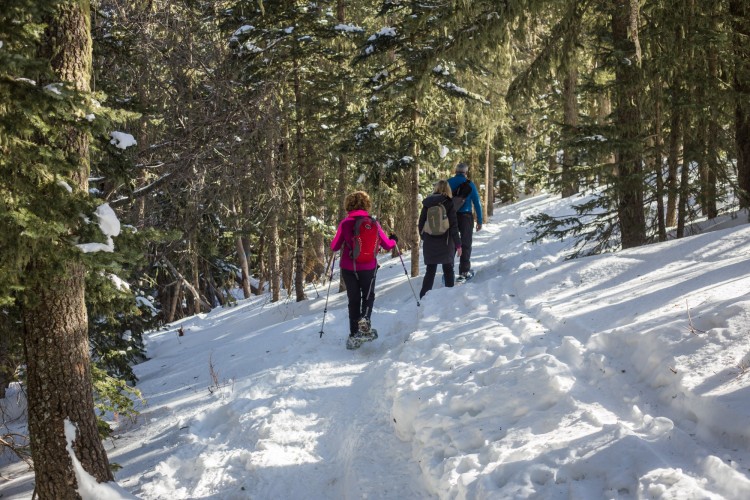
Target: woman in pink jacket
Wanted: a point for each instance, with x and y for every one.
(358, 271)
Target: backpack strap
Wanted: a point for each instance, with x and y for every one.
(355, 229)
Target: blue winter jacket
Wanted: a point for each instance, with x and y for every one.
(473, 198)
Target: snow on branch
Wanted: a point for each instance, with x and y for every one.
(122, 140)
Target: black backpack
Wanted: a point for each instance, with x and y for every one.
(460, 194)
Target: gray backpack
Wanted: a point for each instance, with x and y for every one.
(437, 223)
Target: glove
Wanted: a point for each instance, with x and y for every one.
(393, 237)
(479, 227)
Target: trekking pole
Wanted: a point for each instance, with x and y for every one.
(325, 309)
(407, 274)
(325, 273)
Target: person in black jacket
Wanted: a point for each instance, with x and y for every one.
(439, 249)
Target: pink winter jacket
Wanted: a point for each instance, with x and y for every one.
(344, 236)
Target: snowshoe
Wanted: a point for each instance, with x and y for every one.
(364, 325)
(355, 340)
(464, 277)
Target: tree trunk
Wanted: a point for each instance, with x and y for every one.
(570, 96)
(604, 112)
(627, 119)
(684, 187)
(272, 230)
(673, 164)
(341, 197)
(244, 268)
(54, 314)
(413, 208)
(195, 306)
(286, 213)
(175, 299)
(59, 380)
(489, 183)
(194, 292)
(413, 202)
(740, 13)
(299, 255)
(658, 161)
(710, 131)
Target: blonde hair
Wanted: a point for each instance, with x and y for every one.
(442, 187)
(358, 200)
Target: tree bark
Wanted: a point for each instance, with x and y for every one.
(603, 117)
(55, 319)
(673, 163)
(684, 187)
(489, 183)
(570, 96)
(274, 274)
(709, 179)
(627, 118)
(174, 300)
(341, 197)
(299, 255)
(194, 292)
(59, 381)
(740, 13)
(244, 268)
(413, 203)
(658, 161)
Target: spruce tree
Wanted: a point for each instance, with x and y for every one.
(44, 191)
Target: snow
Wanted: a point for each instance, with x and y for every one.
(54, 88)
(122, 140)
(146, 302)
(26, 80)
(596, 138)
(441, 70)
(243, 29)
(348, 28)
(385, 31)
(109, 225)
(252, 48)
(380, 74)
(87, 485)
(622, 376)
(65, 185)
(120, 283)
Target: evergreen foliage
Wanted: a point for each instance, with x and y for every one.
(42, 213)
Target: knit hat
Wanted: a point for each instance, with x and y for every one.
(462, 168)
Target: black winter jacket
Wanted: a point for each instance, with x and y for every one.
(439, 249)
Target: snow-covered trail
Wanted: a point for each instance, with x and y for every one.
(294, 416)
(507, 386)
(531, 397)
(616, 376)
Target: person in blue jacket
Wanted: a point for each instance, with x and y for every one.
(466, 219)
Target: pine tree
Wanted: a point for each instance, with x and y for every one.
(44, 191)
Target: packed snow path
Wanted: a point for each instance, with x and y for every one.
(541, 377)
(617, 376)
